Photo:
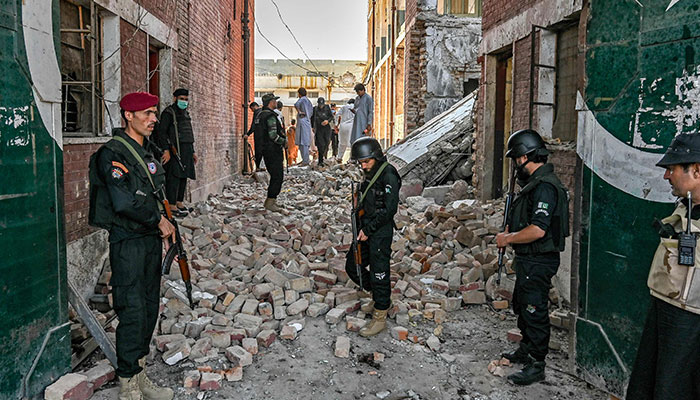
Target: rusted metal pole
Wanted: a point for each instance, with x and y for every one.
(392, 72)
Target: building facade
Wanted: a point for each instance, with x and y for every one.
(331, 79)
(608, 84)
(422, 59)
(156, 47)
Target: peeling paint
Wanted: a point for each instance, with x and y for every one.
(685, 112)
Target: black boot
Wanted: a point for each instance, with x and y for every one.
(532, 373)
(518, 357)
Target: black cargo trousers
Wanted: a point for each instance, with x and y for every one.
(531, 302)
(135, 285)
(376, 253)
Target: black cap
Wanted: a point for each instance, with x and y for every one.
(181, 92)
(684, 149)
(268, 98)
(525, 141)
(253, 104)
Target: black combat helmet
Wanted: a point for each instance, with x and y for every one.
(366, 147)
(525, 141)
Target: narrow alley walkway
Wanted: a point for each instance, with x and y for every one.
(280, 280)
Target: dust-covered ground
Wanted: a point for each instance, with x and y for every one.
(307, 368)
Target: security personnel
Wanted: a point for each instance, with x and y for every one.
(257, 141)
(274, 140)
(379, 198)
(126, 180)
(537, 228)
(668, 360)
(176, 138)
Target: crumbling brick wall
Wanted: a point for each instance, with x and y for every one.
(441, 53)
(75, 186)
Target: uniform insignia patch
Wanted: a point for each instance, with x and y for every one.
(152, 168)
(117, 173)
(388, 188)
(380, 275)
(120, 165)
(543, 205)
(530, 308)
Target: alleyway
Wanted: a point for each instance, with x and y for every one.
(455, 367)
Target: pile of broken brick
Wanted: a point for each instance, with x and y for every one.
(258, 276)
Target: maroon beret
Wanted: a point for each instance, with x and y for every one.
(138, 101)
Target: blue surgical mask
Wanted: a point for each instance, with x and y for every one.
(182, 104)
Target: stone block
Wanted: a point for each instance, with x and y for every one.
(266, 337)
(239, 356)
(177, 352)
(100, 374)
(342, 347)
(335, 315)
(69, 387)
(354, 324)
(433, 343)
(234, 374)
(399, 333)
(514, 335)
(210, 381)
(191, 379)
(162, 340)
(297, 307)
(265, 310)
(251, 345)
(474, 297)
(219, 338)
(317, 309)
(250, 307)
(288, 332)
(326, 277)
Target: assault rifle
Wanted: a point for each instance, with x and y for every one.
(177, 249)
(506, 215)
(175, 154)
(355, 216)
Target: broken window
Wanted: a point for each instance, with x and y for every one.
(467, 8)
(81, 110)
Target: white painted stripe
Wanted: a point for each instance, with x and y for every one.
(37, 26)
(626, 168)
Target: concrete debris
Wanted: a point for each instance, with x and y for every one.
(258, 275)
(439, 151)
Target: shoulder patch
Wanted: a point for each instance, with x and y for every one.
(117, 173)
(152, 168)
(120, 166)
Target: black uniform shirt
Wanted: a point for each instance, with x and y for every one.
(381, 202)
(130, 191)
(544, 201)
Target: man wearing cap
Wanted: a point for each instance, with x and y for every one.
(176, 138)
(274, 141)
(537, 228)
(379, 198)
(126, 182)
(257, 142)
(321, 119)
(668, 360)
(364, 114)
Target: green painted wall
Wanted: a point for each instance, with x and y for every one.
(33, 297)
(643, 87)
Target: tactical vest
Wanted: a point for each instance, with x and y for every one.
(261, 130)
(375, 198)
(669, 281)
(523, 206)
(101, 213)
(183, 125)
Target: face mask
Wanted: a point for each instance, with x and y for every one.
(182, 104)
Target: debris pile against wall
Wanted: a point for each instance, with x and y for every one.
(258, 277)
(440, 150)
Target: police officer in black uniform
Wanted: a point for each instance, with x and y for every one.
(379, 198)
(321, 120)
(126, 182)
(536, 230)
(176, 138)
(274, 140)
(257, 141)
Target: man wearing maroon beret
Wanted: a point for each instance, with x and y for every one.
(126, 180)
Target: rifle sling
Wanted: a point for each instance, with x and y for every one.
(136, 155)
(177, 133)
(374, 179)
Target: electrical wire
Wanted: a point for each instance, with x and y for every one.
(257, 27)
(294, 37)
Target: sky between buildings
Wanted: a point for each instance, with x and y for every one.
(326, 29)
